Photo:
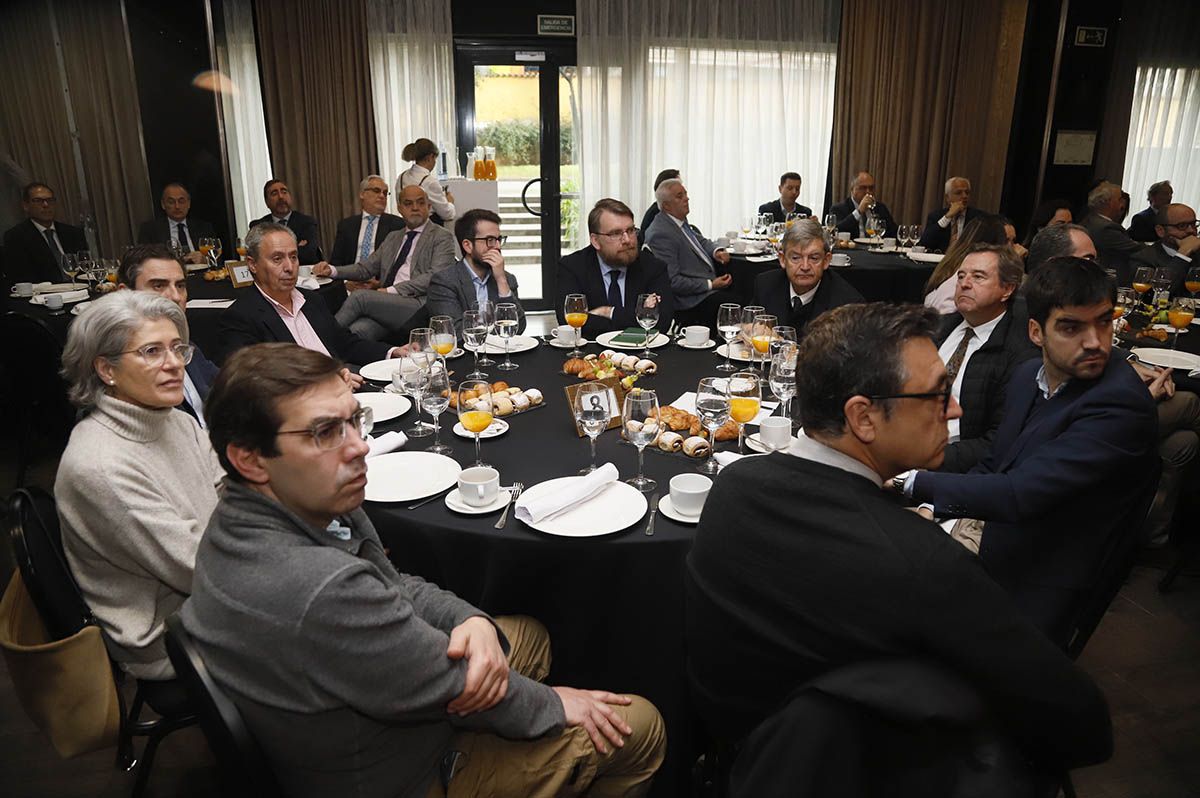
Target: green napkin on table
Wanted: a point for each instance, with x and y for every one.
(633, 335)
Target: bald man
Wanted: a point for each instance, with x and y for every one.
(944, 226)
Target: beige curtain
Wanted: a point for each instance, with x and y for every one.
(924, 91)
(317, 97)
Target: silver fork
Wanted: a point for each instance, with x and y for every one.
(516, 494)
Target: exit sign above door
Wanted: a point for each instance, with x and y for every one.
(556, 25)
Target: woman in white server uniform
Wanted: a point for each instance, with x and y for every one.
(424, 153)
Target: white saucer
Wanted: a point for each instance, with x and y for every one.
(497, 428)
(558, 343)
(709, 344)
(755, 442)
(668, 509)
(454, 502)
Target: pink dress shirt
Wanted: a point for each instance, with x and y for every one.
(297, 323)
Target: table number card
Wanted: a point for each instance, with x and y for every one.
(616, 397)
(240, 276)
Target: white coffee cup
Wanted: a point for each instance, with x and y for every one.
(695, 335)
(688, 492)
(843, 237)
(54, 302)
(722, 242)
(740, 245)
(23, 289)
(731, 235)
(479, 485)
(889, 244)
(840, 259)
(565, 332)
(305, 272)
(775, 433)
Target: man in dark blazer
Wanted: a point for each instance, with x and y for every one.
(33, 249)
(308, 233)
(479, 276)
(803, 288)
(1176, 245)
(1113, 244)
(789, 190)
(981, 343)
(612, 273)
(853, 211)
(880, 583)
(1141, 226)
(1065, 478)
(177, 226)
(276, 311)
(943, 227)
(361, 234)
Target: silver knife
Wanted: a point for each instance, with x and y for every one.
(653, 514)
(516, 494)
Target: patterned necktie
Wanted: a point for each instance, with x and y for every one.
(691, 236)
(614, 291)
(960, 353)
(408, 239)
(953, 230)
(182, 235)
(364, 251)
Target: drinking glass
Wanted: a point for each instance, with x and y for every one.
(575, 308)
(729, 317)
(443, 340)
(1143, 281)
(748, 224)
(488, 311)
(874, 227)
(790, 219)
(507, 321)
(1180, 315)
(475, 416)
(781, 335)
(775, 233)
(475, 331)
(745, 397)
(782, 377)
(84, 261)
(206, 246)
(639, 415)
(240, 246)
(420, 355)
(435, 401)
(749, 313)
(592, 413)
(70, 265)
(712, 406)
(831, 222)
(215, 252)
(760, 339)
(647, 319)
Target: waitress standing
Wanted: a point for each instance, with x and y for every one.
(424, 153)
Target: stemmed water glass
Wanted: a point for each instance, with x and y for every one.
(729, 317)
(507, 321)
(639, 415)
(647, 318)
(592, 413)
(476, 414)
(831, 223)
(444, 339)
(749, 314)
(435, 401)
(712, 406)
(760, 338)
(745, 398)
(84, 263)
(70, 265)
(782, 377)
(1180, 315)
(575, 310)
(415, 379)
(475, 332)
(215, 252)
(487, 311)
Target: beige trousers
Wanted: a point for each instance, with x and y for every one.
(565, 764)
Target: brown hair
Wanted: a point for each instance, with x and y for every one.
(1009, 268)
(419, 149)
(607, 204)
(135, 256)
(467, 225)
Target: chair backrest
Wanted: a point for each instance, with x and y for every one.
(32, 522)
(234, 746)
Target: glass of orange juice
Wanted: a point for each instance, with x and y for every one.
(745, 397)
(1180, 315)
(575, 309)
(1192, 281)
(475, 411)
(761, 336)
(443, 340)
(1143, 279)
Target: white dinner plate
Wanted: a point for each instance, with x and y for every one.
(559, 343)
(741, 354)
(752, 249)
(667, 508)
(706, 345)
(384, 406)
(404, 476)
(606, 339)
(455, 502)
(1167, 358)
(80, 308)
(381, 370)
(497, 428)
(495, 344)
(874, 242)
(925, 257)
(1170, 329)
(614, 508)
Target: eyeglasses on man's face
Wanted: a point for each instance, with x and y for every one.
(492, 241)
(154, 355)
(42, 200)
(378, 190)
(330, 433)
(943, 395)
(1188, 225)
(617, 235)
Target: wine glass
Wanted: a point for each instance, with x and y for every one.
(475, 414)
(507, 321)
(1192, 281)
(575, 308)
(435, 401)
(782, 377)
(205, 247)
(215, 252)
(729, 317)
(749, 313)
(420, 356)
(444, 340)
(647, 319)
(639, 415)
(748, 224)
(831, 223)
(70, 265)
(775, 233)
(1180, 315)
(592, 413)
(712, 406)
(1143, 281)
(84, 262)
(487, 312)
(761, 337)
(240, 246)
(475, 334)
(745, 397)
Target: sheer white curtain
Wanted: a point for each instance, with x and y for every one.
(242, 107)
(411, 51)
(1164, 133)
(732, 94)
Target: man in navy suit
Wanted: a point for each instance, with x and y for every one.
(943, 226)
(177, 227)
(361, 234)
(1141, 226)
(153, 267)
(802, 288)
(852, 213)
(308, 233)
(613, 272)
(789, 191)
(33, 249)
(1065, 474)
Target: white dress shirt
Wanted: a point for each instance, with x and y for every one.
(414, 176)
(1174, 253)
(193, 399)
(806, 297)
(807, 448)
(982, 333)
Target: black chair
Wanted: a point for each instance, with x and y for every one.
(35, 396)
(245, 768)
(32, 523)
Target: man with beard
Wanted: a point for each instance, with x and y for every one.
(1176, 247)
(612, 273)
(480, 277)
(308, 234)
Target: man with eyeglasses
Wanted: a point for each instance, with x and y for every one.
(480, 277)
(802, 288)
(356, 678)
(34, 249)
(612, 273)
(363, 233)
(1176, 247)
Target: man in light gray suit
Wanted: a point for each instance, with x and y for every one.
(690, 257)
(480, 276)
(403, 265)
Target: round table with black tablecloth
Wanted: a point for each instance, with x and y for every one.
(878, 276)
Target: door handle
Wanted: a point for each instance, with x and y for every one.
(525, 201)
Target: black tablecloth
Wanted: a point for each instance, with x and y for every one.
(878, 276)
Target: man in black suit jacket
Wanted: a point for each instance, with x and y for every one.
(1113, 244)
(1176, 245)
(802, 289)
(177, 226)
(852, 213)
(789, 190)
(1066, 480)
(612, 273)
(33, 249)
(943, 226)
(880, 583)
(308, 233)
(1141, 226)
(358, 236)
(275, 310)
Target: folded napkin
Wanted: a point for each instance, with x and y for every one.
(633, 335)
(387, 442)
(567, 498)
(309, 282)
(761, 258)
(209, 303)
(67, 296)
(725, 458)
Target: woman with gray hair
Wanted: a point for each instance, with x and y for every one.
(137, 481)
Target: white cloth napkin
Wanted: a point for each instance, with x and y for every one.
(687, 403)
(209, 303)
(725, 458)
(569, 497)
(761, 258)
(67, 296)
(309, 282)
(387, 442)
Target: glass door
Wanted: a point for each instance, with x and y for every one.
(521, 101)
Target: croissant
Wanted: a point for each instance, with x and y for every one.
(499, 386)
(575, 365)
(727, 431)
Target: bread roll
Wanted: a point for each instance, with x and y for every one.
(520, 401)
(535, 396)
(727, 431)
(609, 354)
(502, 406)
(629, 362)
(670, 441)
(514, 391)
(696, 446)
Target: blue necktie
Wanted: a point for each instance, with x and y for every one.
(691, 234)
(614, 291)
(364, 251)
(408, 239)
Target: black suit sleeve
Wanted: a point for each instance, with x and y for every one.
(147, 234)
(569, 282)
(343, 245)
(237, 329)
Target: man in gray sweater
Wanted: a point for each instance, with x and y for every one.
(357, 679)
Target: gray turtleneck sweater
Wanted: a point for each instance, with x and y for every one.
(135, 488)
